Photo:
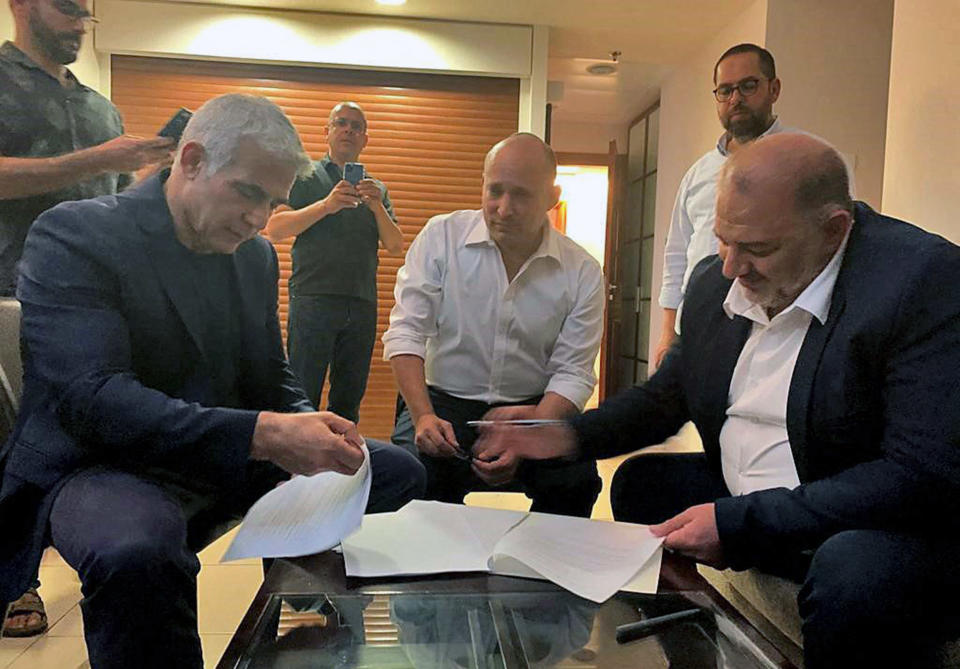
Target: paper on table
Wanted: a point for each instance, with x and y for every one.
(305, 515)
(589, 558)
(426, 538)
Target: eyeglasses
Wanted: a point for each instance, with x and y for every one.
(343, 123)
(747, 88)
(72, 10)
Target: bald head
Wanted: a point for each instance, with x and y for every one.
(791, 167)
(528, 150)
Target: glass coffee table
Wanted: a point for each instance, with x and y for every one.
(308, 614)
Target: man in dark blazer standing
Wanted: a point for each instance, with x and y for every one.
(820, 362)
(157, 399)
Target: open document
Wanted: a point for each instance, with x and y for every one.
(307, 514)
(592, 559)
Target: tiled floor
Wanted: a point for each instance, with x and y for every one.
(225, 590)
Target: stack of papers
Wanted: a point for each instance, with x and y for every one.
(592, 559)
(305, 515)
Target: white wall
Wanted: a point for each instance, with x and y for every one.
(689, 126)
(87, 68)
(332, 40)
(572, 137)
(833, 57)
(921, 181)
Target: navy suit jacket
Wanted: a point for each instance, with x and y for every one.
(873, 411)
(114, 369)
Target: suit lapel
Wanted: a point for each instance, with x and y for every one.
(811, 352)
(166, 255)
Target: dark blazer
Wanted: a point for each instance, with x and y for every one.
(873, 411)
(114, 370)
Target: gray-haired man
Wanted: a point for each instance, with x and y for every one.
(158, 402)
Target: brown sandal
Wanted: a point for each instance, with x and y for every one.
(29, 603)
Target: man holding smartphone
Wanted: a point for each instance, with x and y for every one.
(340, 216)
(59, 141)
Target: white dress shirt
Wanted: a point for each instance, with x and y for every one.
(690, 238)
(754, 444)
(484, 338)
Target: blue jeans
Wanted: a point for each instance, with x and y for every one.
(336, 332)
(133, 542)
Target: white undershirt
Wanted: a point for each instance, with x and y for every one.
(754, 445)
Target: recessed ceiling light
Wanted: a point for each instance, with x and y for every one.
(602, 69)
(391, 2)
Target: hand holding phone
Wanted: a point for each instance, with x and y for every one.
(175, 126)
(353, 172)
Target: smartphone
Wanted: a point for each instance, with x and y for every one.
(353, 172)
(174, 127)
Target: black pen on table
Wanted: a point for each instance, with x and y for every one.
(642, 628)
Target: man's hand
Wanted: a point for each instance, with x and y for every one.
(497, 472)
(435, 437)
(693, 533)
(530, 443)
(369, 193)
(343, 196)
(663, 345)
(307, 443)
(129, 154)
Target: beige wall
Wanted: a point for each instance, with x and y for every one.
(833, 57)
(575, 137)
(689, 126)
(922, 171)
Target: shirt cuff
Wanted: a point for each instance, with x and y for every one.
(670, 297)
(576, 391)
(400, 345)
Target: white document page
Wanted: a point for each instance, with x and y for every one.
(305, 515)
(592, 559)
(421, 538)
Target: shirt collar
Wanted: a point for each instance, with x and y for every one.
(774, 128)
(11, 52)
(326, 162)
(815, 298)
(549, 244)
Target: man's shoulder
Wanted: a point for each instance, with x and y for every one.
(574, 255)
(896, 247)
(456, 224)
(705, 167)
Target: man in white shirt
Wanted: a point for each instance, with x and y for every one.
(497, 310)
(819, 363)
(746, 89)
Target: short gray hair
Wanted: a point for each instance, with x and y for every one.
(222, 122)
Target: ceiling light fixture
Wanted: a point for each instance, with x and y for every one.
(604, 69)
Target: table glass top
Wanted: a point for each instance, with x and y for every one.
(491, 631)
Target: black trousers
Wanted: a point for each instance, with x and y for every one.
(565, 488)
(337, 333)
(869, 598)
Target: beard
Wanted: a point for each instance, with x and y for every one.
(746, 128)
(62, 47)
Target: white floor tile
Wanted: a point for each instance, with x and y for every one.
(70, 624)
(11, 649)
(53, 653)
(59, 589)
(224, 594)
(213, 647)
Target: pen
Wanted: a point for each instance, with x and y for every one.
(638, 630)
(519, 422)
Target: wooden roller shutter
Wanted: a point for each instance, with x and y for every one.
(428, 138)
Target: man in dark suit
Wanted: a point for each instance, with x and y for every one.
(157, 400)
(819, 361)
